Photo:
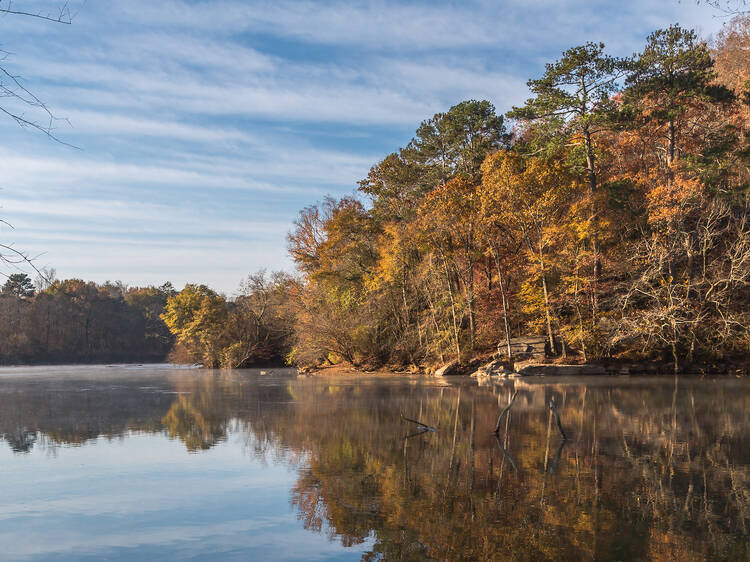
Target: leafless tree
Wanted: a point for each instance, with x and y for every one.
(689, 288)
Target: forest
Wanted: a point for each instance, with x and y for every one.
(609, 213)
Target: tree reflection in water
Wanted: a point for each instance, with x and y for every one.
(651, 469)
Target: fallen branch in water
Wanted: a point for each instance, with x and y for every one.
(553, 407)
(416, 434)
(420, 424)
(556, 460)
(506, 453)
(505, 411)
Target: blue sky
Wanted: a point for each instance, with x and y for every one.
(203, 127)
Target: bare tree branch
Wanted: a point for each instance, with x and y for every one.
(63, 15)
(728, 7)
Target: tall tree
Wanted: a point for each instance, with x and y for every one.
(449, 218)
(572, 100)
(572, 104)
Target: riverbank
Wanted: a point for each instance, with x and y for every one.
(501, 367)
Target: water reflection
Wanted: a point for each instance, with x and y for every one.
(409, 469)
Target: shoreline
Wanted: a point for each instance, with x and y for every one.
(507, 370)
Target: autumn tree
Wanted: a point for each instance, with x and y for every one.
(196, 317)
(149, 302)
(530, 195)
(730, 52)
(690, 282)
(260, 323)
(449, 221)
(334, 244)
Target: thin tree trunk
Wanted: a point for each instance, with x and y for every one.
(580, 317)
(590, 167)
(434, 322)
(505, 303)
(590, 160)
(472, 327)
(453, 309)
(546, 306)
(406, 306)
(671, 147)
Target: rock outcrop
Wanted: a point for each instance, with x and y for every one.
(450, 368)
(491, 369)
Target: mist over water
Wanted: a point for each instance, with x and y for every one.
(158, 462)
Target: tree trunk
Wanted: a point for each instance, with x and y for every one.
(548, 315)
(434, 322)
(590, 163)
(590, 160)
(546, 305)
(504, 299)
(578, 313)
(453, 308)
(406, 305)
(671, 147)
(472, 326)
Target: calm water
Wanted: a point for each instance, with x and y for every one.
(160, 463)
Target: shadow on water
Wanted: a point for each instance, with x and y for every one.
(604, 469)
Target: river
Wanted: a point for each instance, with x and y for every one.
(157, 462)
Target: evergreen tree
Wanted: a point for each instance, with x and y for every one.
(673, 70)
(574, 99)
(19, 285)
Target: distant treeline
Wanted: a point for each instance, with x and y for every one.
(77, 321)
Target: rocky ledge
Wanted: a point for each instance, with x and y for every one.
(498, 368)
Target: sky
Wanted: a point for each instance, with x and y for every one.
(198, 130)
